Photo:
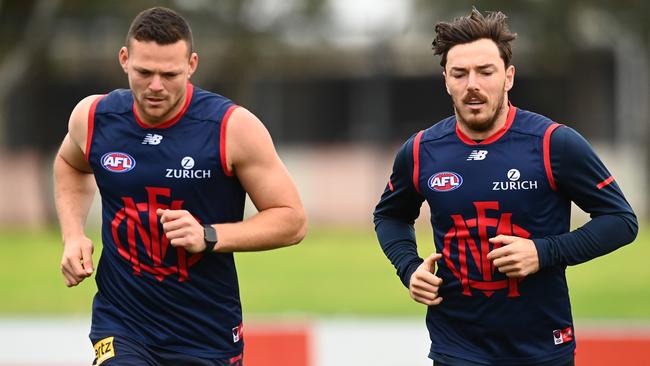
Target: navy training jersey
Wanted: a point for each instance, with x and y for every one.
(146, 289)
(512, 183)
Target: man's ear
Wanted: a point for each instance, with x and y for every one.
(123, 57)
(510, 77)
(444, 76)
(194, 63)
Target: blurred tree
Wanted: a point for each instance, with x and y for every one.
(248, 29)
(59, 50)
(25, 39)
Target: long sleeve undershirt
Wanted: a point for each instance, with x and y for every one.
(575, 168)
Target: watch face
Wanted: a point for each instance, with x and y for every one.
(210, 234)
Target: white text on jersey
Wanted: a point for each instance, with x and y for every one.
(188, 163)
(513, 183)
(183, 173)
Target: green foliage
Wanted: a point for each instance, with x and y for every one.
(333, 272)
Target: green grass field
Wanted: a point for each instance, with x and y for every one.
(333, 272)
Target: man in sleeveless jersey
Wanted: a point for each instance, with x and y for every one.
(499, 182)
(173, 164)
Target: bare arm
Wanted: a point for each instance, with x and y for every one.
(74, 188)
(281, 220)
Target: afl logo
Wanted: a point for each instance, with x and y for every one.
(118, 162)
(445, 181)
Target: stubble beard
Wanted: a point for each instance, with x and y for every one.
(158, 114)
(477, 124)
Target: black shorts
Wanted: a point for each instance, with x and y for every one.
(120, 351)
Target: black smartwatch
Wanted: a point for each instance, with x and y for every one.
(210, 238)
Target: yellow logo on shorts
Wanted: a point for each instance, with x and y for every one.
(104, 350)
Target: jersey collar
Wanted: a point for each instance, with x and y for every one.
(176, 118)
(512, 111)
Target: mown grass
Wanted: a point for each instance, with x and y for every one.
(335, 271)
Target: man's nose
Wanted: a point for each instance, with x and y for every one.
(156, 83)
(472, 81)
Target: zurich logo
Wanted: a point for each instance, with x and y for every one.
(117, 162)
(445, 181)
(187, 162)
(514, 174)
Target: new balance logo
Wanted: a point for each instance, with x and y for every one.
(152, 139)
(477, 155)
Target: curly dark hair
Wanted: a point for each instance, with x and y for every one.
(161, 25)
(472, 27)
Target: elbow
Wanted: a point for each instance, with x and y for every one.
(299, 228)
(300, 234)
(377, 220)
(633, 224)
(627, 228)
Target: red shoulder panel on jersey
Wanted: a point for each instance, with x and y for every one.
(416, 161)
(91, 125)
(547, 154)
(222, 140)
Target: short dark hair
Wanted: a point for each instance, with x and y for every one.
(161, 25)
(471, 28)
